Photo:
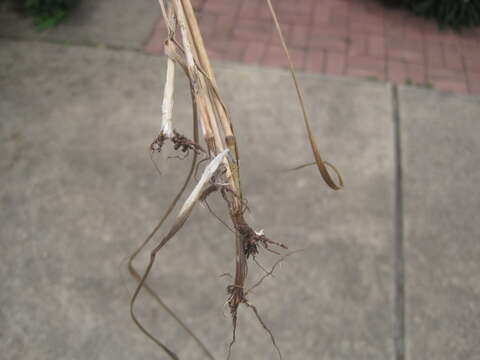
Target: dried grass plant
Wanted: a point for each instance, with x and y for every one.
(185, 49)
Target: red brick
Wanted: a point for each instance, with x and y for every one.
(405, 51)
(219, 6)
(357, 45)
(392, 30)
(445, 36)
(395, 16)
(321, 15)
(155, 44)
(366, 16)
(374, 7)
(412, 33)
(216, 55)
(434, 54)
(397, 71)
(216, 48)
(376, 45)
(338, 2)
(337, 34)
(288, 17)
(414, 24)
(328, 39)
(417, 73)
(275, 56)
(445, 73)
(338, 17)
(235, 50)
(249, 9)
(472, 61)
(451, 37)
(335, 63)
(366, 66)
(198, 4)
(414, 41)
(473, 80)
(315, 61)
(402, 72)
(370, 25)
(299, 36)
(207, 23)
(459, 85)
(467, 43)
(447, 79)
(298, 6)
(338, 44)
(358, 12)
(252, 30)
(287, 34)
(453, 57)
(435, 37)
(224, 25)
(254, 52)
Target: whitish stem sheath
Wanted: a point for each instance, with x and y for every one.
(167, 105)
(197, 191)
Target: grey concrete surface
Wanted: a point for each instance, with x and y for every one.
(119, 23)
(78, 192)
(441, 153)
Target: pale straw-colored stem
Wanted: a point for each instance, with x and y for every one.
(205, 62)
(207, 114)
(215, 101)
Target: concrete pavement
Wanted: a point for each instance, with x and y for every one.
(441, 154)
(114, 23)
(79, 192)
(391, 261)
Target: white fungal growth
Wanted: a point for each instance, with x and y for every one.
(261, 232)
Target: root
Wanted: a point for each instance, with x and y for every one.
(252, 238)
(179, 142)
(157, 144)
(218, 217)
(237, 297)
(155, 164)
(179, 157)
(260, 265)
(270, 273)
(234, 330)
(265, 327)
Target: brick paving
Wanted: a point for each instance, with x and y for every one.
(359, 38)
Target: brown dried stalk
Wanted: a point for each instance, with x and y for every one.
(222, 175)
